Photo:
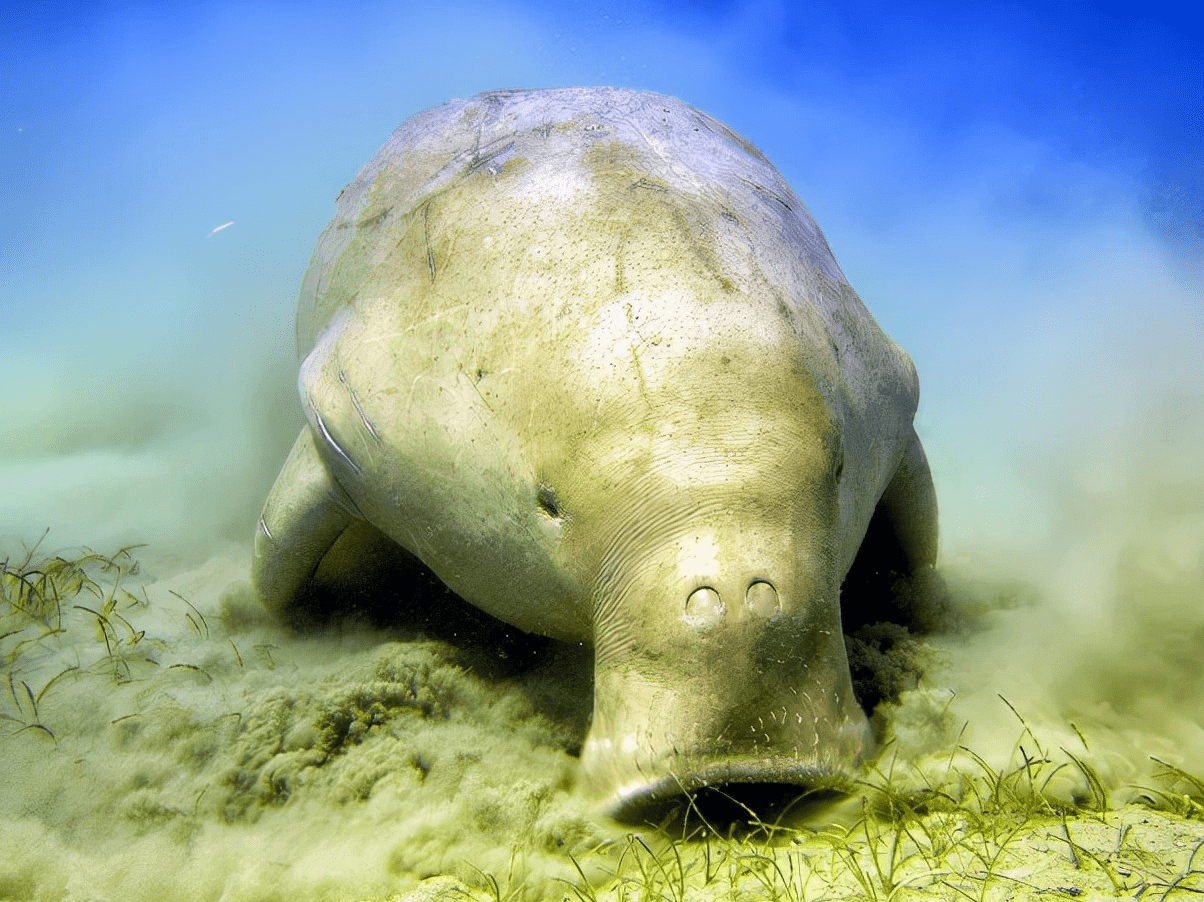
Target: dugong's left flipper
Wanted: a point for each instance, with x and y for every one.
(304, 516)
(901, 541)
(907, 513)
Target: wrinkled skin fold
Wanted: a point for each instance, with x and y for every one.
(585, 355)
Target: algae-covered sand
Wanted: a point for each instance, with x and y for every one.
(163, 739)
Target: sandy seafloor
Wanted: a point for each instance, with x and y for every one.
(208, 753)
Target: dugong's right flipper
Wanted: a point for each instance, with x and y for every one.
(304, 516)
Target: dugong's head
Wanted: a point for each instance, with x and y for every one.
(714, 588)
(737, 678)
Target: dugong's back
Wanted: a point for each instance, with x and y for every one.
(552, 145)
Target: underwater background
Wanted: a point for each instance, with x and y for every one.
(1016, 190)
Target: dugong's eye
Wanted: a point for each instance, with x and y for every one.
(548, 502)
(704, 607)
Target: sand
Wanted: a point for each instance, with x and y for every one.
(190, 748)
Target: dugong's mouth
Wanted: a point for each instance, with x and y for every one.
(728, 793)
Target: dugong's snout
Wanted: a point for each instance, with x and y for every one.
(745, 711)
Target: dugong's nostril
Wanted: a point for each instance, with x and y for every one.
(704, 607)
(762, 599)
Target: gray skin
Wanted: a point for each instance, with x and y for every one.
(585, 354)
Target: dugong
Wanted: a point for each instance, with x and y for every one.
(586, 356)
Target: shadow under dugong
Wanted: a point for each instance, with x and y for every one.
(585, 355)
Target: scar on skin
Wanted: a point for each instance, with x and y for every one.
(355, 401)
